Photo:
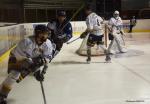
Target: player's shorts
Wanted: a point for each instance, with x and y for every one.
(15, 65)
(110, 36)
(11, 64)
(94, 39)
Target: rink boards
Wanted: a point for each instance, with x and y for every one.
(10, 35)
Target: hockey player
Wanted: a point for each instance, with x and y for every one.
(132, 23)
(61, 31)
(27, 57)
(95, 31)
(115, 26)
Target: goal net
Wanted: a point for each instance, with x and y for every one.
(95, 51)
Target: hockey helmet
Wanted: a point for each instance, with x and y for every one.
(116, 14)
(88, 7)
(41, 33)
(40, 29)
(61, 13)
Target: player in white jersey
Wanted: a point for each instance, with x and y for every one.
(95, 31)
(115, 26)
(27, 57)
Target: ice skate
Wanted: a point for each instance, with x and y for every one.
(2, 100)
(108, 59)
(88, 60)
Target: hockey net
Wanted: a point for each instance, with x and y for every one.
(95, 51)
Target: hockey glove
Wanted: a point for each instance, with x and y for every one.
(83, 35)
(63, 38)
(37, 63)
(39, 76)
(26, 64)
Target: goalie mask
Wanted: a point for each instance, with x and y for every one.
(116, 14)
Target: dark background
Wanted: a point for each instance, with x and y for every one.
(20, 11)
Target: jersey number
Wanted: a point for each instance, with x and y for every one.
(98, 24)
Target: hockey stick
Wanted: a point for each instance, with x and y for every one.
(72, 17)
(42, 87)
(73, 40)
(43, 92)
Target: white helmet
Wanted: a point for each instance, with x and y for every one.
(116, 14)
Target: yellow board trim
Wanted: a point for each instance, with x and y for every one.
(6, 54)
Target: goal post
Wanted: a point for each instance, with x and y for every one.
(95, 51)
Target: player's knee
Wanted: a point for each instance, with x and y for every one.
(12, 77)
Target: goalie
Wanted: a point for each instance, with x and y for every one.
(95, 31)
(115, 26)
(27, 57)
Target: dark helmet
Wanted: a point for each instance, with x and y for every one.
(88, 7)
(40, 29)
(61, 13)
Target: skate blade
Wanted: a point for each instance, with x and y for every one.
(108, 61)
(88, 62)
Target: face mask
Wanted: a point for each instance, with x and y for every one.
(116, 15)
